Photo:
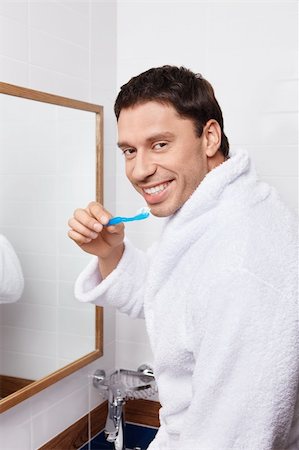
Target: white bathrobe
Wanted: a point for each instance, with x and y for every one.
(11, 275)
(219, 296)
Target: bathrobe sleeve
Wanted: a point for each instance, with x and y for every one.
(246, 367)
(124, 286)
(11, 276)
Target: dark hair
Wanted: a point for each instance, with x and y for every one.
(190, 94)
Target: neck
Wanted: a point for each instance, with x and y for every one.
(216, 160)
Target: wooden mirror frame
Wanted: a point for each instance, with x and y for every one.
(37, 386)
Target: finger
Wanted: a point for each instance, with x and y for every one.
(99, 212)
(83, 216)
(78, 238)
(81, 229)
(115, 228)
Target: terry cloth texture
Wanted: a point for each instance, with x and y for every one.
(219, 295)
(11, 276)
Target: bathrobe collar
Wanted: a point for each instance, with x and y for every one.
(209, 191)
(194, 218)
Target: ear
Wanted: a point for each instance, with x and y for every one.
(212, 137)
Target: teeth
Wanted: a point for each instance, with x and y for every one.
(156, 189)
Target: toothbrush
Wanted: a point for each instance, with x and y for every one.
(143, 213)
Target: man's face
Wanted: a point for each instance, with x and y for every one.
(165, 160)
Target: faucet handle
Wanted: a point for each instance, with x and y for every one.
(99, 378)
(146, 371)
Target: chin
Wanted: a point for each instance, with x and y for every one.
(160, 214)
(162, 210)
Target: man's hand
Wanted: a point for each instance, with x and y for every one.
(88, 230)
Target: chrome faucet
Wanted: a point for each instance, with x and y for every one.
(114, 428)
(120, 386)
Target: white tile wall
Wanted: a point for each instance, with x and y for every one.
(33, 422)
(14, 72)
(73, 346)
(17, 10)
(61, 56)
(36, 340)
(133, 354)
(51, 18)
(40, 422)
(14, 39)
(75, 321)
(60, 83)
(28, 365)
(32, 317)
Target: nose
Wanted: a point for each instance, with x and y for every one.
(142, 167)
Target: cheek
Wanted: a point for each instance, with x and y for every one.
(128, 170)
(194, 172)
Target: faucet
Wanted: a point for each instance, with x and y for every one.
(120, 386)
(114, 428)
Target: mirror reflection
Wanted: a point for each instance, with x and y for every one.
(47, 166)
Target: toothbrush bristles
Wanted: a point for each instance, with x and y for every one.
(144, 210)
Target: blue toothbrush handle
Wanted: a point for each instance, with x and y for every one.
(116, 220)
(119, 219)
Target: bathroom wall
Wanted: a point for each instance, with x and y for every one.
(248, 51)
(66, 48)
(86, 50)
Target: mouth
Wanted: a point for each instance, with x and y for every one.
(155, 190)
(157, 193)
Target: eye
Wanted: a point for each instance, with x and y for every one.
(129, 153)
(159, 145)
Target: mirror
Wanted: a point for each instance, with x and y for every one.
(51, 152)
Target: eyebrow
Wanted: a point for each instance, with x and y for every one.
(154, 137)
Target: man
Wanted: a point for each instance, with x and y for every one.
(219, 289)
(11, 274)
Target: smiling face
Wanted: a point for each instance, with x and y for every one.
(165, 160)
